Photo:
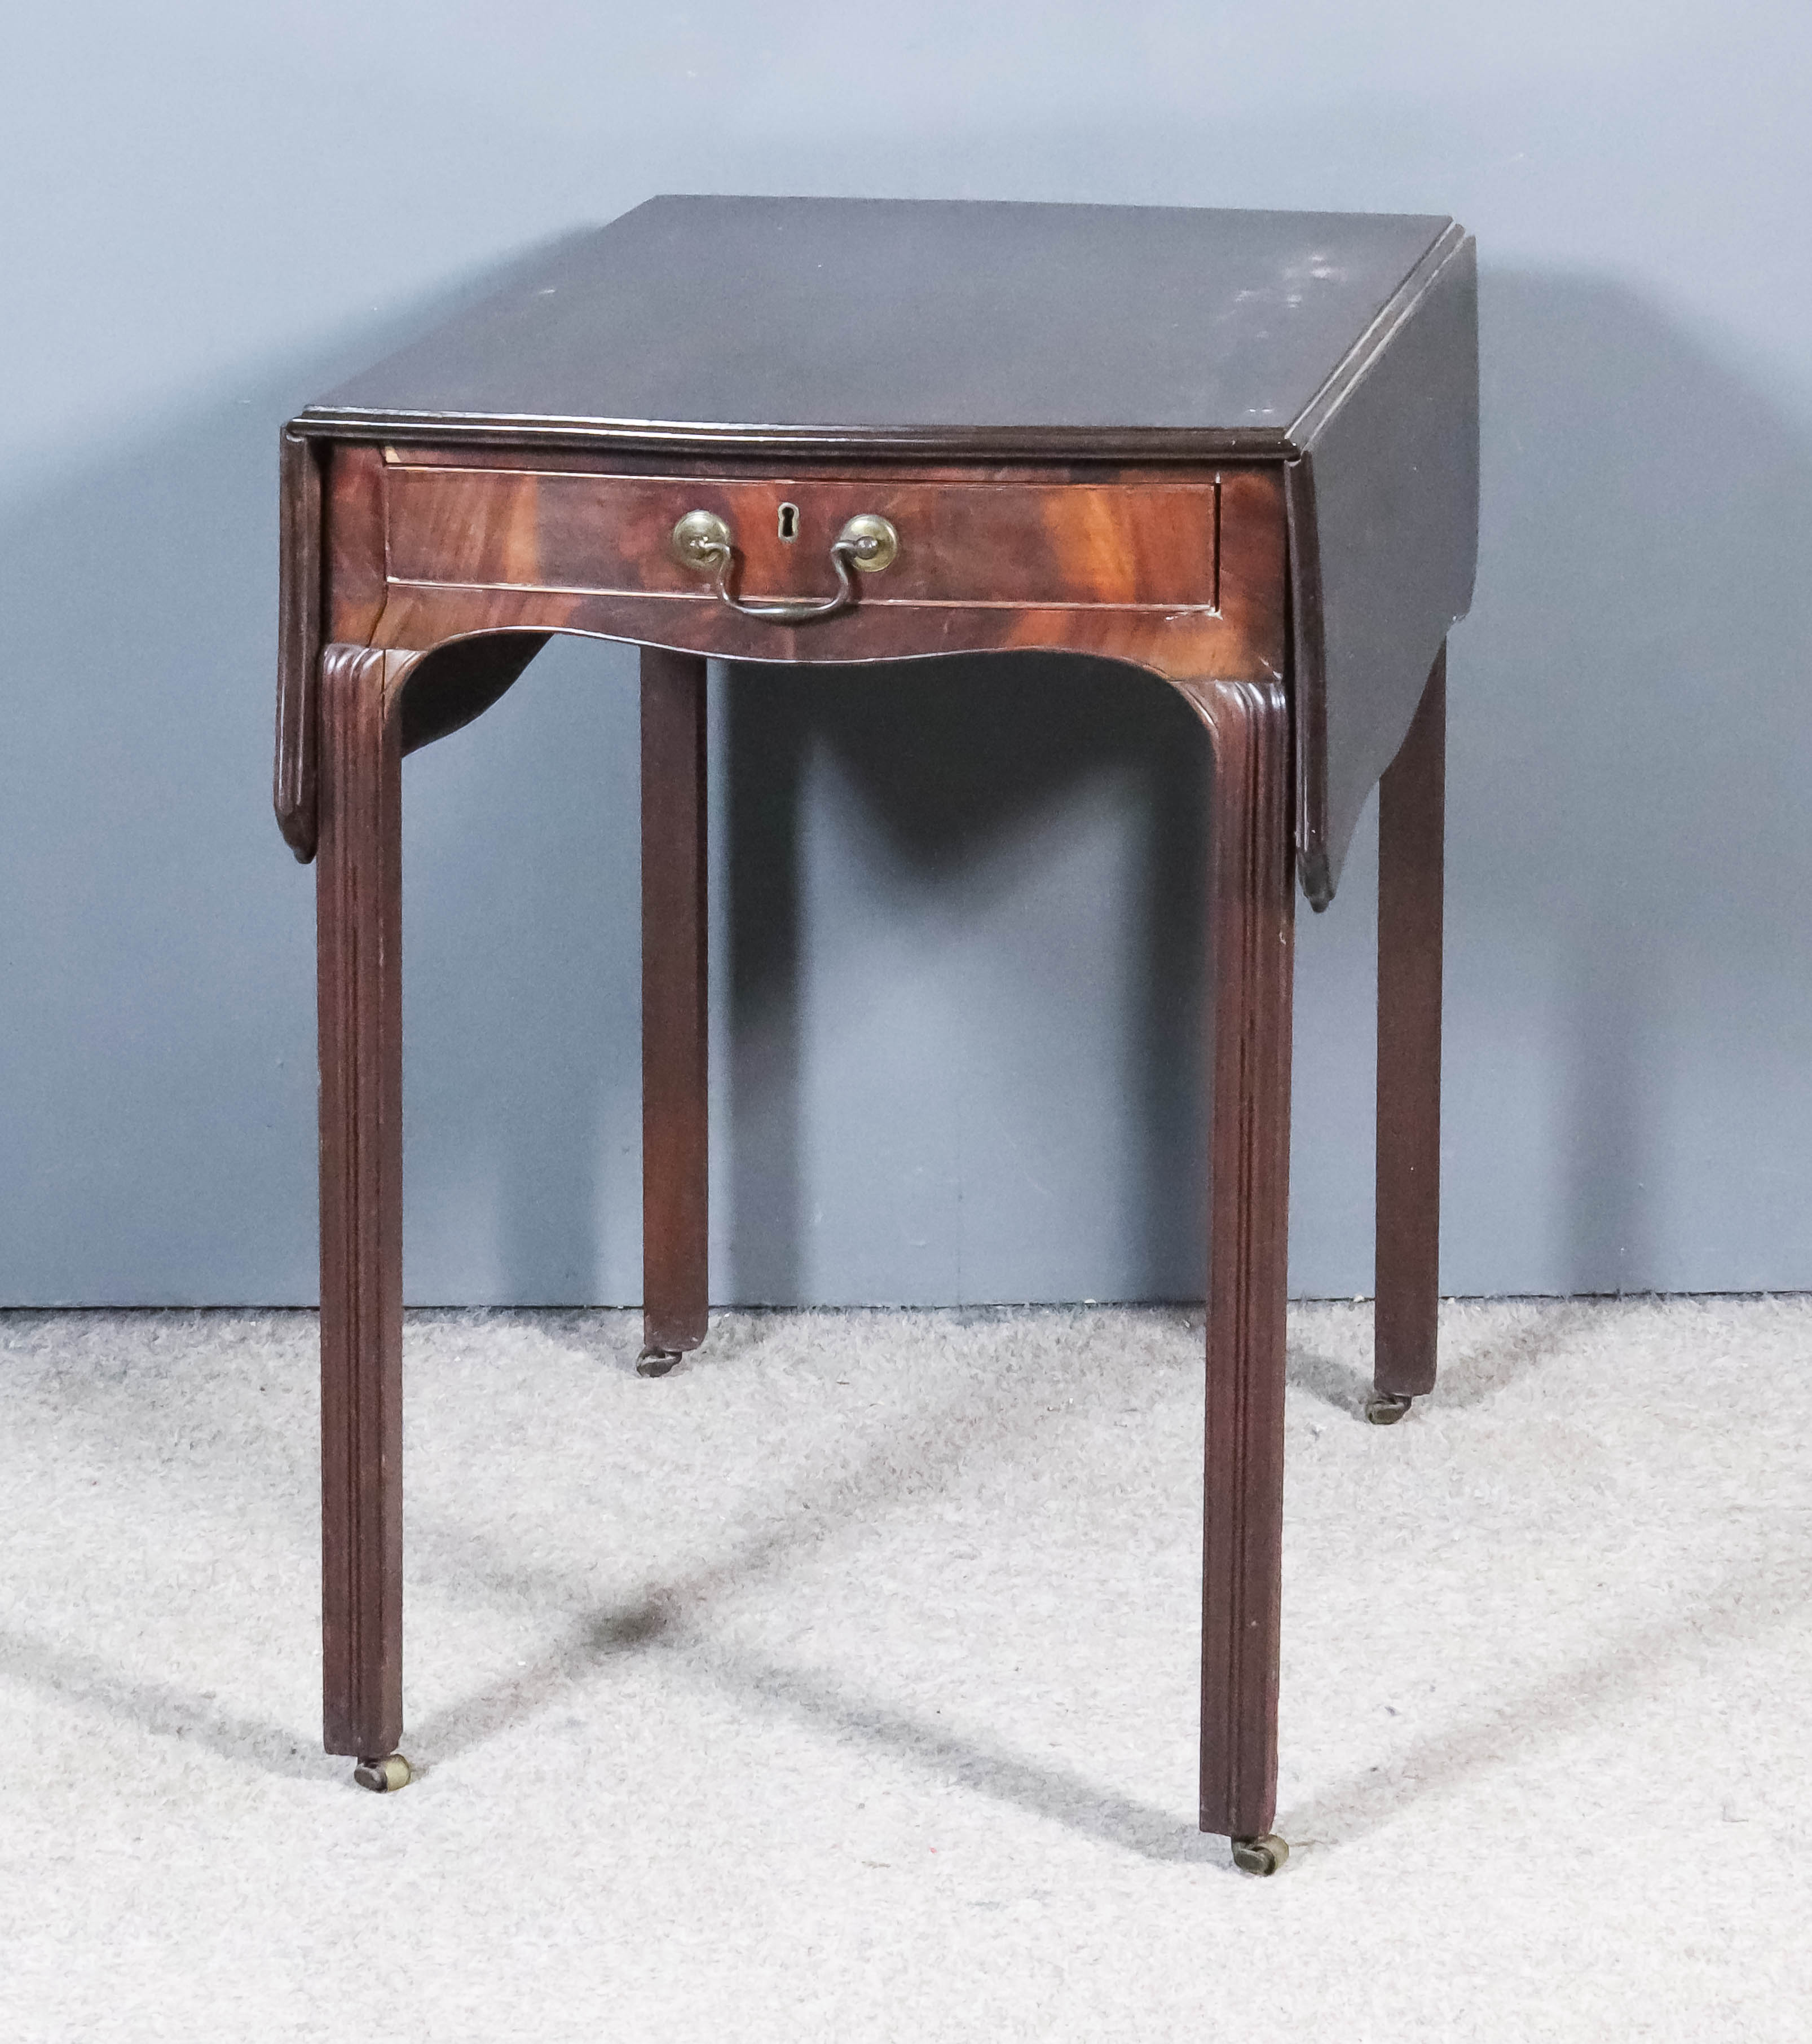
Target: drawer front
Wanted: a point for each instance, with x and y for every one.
(978, 545)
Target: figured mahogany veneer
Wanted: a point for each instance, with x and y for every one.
(981, 564)
(968, 544)
(1182, 574)
(1248, 469)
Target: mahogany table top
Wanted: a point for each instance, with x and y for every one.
(1341, 346)
(947, 323)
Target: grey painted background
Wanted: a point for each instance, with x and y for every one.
(956, 964)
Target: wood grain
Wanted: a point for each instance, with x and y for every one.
(785, 332)
(302, 588)
(356, 541)
(1188, 396)
(442, 648)
(358, 914)
(971, 543)
(1251, 903)
(332, 587)
(1093, 558)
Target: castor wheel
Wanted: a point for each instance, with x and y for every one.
(657, 1361)
(384, 1777)
(1260, 1856)
(1385, 1408)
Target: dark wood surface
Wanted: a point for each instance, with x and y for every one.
(478, 635)
(359, 927)
(1231, 449)
(301, 533)
(909, 323)
(675, 1075)
(1412, 810)
(1341, 346)
(1384, 537)
(1120, 563)
(968, 543)
(1252, 898)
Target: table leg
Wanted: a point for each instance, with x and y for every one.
(675, 1124)
(1252, 906)
(1411, 830)
(358, 924)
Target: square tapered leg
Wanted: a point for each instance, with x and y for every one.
(1411, 833)
(675, 1131)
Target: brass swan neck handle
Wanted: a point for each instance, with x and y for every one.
(702, 541)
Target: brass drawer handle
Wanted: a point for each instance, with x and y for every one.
(701, 541)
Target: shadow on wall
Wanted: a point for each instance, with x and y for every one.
(1632, 749)
(155, 1077)
(1631, 746)
(157, 1070)
(967, 768)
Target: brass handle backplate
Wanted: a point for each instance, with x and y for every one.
(702, 541)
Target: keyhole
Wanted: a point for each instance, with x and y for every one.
(789, 521)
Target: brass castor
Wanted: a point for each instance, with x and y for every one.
(657, 1362)
(1385, 1408)
(1260, 1856)
(384, 1777)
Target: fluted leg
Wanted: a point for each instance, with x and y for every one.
(1252, 905)
(359, 931)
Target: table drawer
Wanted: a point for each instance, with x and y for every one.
(975, 545)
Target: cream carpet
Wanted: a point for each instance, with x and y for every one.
(841, 1686)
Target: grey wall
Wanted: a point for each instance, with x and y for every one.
(957, 958)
